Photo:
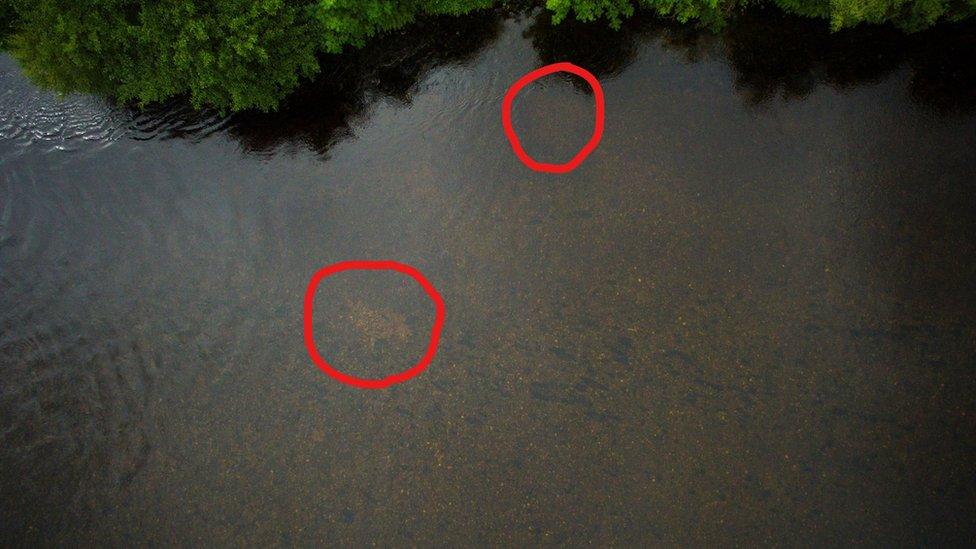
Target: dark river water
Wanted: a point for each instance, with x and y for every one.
(748, 317)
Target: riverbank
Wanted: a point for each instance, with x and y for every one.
(241, 55)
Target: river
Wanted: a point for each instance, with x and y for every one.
(747, 318)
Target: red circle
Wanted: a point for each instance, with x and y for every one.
(435, 332)
(513, 138)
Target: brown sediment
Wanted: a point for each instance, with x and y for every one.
(374, 324)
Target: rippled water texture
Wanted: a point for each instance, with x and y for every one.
(747, 318)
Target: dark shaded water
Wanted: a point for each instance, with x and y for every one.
(748, 317)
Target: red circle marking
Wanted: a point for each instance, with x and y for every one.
(513, 138)
(435, 332)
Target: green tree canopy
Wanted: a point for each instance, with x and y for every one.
(242, 54)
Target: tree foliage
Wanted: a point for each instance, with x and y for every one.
(233, 53)
(241, 54)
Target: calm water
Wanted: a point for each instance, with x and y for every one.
(748, 317)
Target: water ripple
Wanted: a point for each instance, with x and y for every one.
(31, 117)
(47, 122)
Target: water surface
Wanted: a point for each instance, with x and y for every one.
(747, 318)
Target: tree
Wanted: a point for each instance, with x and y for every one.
(244, 54)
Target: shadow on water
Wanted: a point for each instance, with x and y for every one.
(595, 47)
(771, 55)
(319, 114)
